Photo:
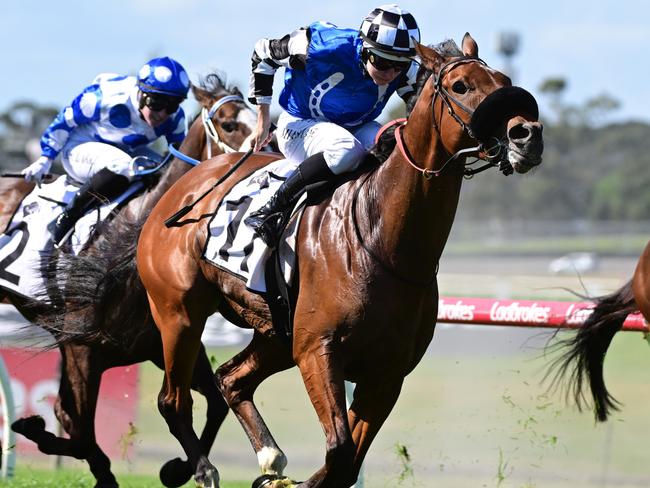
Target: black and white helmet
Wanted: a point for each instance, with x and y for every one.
(390, 30)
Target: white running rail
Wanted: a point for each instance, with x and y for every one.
(8, 435)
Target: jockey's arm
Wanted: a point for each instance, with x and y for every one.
(270, 54)
(289, 51)
(84, 108)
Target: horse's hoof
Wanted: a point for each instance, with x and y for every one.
(206, 475)
(29, 426)
(274, 481)
(175, 473)
(264, 481)
(107, 484)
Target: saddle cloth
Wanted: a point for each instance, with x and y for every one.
(233, 246)
(26, 244)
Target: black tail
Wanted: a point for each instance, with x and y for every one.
(105, 301)
(583, 361)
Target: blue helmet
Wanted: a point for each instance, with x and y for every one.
(165, 76)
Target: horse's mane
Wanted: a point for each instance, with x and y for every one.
(217, 84)
(386, 144)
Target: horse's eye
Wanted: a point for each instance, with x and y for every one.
(459, 87)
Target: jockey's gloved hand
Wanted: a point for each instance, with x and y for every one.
(37, 170)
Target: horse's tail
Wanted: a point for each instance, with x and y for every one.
(583, 361)
(98, 296)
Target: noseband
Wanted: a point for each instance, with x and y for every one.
(495, 155)
(211, 133)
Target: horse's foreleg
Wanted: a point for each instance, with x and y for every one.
(370, 407)
(238, 379)
(181, 338)
(323, 376)
(75, 409)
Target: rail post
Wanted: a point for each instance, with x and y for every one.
(8, 413)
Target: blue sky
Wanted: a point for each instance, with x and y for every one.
(51, 50)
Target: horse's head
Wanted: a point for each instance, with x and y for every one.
(471, 105)
(227, 120)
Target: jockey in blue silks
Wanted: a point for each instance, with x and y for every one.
(105, 127)
(337, 81)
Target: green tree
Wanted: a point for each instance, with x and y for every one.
(21, 124)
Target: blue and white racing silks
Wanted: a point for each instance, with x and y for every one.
(325, 78)
(108, 111)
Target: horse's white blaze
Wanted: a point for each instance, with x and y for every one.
(249, 119)
(271, 461)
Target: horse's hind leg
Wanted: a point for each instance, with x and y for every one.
(181, 336)
(177, 472)
(75, 409)
(238, 379)
(217, 408)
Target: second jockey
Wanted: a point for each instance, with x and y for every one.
(105, 127)
(337, 82)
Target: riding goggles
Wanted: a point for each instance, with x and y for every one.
(385, 64)
(158, 102)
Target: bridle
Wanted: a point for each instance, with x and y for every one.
(211, 133)
(495, 155)
(492, 155)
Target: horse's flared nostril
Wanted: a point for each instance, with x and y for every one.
(229, 126)
(519, 132)
(526, 131)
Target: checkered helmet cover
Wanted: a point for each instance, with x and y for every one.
(391, 29)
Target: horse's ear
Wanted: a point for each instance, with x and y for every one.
(200, 94)
(470, 48)
(429, 58)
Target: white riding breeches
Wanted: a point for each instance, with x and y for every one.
(84, 160)
(343, 148)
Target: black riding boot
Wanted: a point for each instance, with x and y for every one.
(101, 187)
(268, 220)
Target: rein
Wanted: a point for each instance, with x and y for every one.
(211, 133)
(182, 156)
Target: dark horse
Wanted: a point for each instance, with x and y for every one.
(581, 363)
(365, 295)
(84, 359)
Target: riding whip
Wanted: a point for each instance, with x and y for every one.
(46, 177)
(188, 208)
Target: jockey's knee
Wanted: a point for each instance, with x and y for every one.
(344, 156)
(122, 168)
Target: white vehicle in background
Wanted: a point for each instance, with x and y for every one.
(574, 263)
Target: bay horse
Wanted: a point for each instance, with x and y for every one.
(581, 362)
(365, 293)
(224, 125)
